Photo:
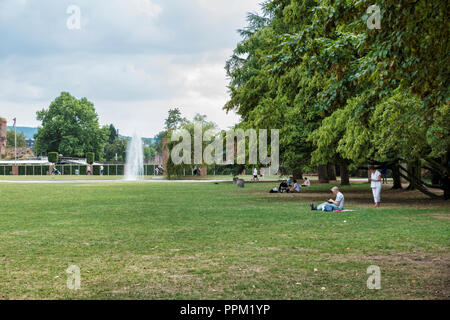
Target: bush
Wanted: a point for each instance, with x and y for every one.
(53, 157)
(90, 157)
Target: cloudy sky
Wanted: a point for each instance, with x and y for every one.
(134, 59)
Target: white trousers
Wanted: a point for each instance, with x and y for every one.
(376, 194)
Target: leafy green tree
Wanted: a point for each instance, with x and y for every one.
(21, 139)
(344, 94)
(174, 120)
(149, 152)
(71, 127)
(270, 96)
(178, 170)
(115, 145)
(113, 134)
(118, 146)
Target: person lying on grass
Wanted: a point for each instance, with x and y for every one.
(296, 188)
(337, 204)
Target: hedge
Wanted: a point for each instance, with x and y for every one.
(38, 170)
(90, 157)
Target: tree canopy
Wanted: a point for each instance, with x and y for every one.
(342, 93)
(70, 127)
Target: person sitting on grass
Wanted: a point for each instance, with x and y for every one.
(296, 188)
(288, 181)
(306, 183)
(337, 204)
(283, 187)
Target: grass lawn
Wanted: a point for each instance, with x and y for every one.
(214, 241)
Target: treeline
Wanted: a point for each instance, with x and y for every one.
(343, 94)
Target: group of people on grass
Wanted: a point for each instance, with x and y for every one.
(338, 203)
(286, 186)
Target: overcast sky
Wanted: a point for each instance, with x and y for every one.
(134, 59)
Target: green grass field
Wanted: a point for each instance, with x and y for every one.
(213, 241)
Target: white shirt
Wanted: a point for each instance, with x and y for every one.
(307, 183)
(255, 172)
(340, 199)
(374, 183)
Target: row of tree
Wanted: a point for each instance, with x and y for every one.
(343, 94)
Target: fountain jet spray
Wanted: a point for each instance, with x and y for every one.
(134, 169)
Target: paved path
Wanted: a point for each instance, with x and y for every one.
(109, 181)
(163, 180)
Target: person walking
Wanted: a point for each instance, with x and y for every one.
(376, 185)
(255, 174)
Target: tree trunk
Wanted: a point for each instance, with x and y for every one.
(345, 176)
(323, 174)
(297, 174)
(420, 186)
(445, 182)
(435, 178)
(331, 171)
(396, 176)
(414, 174)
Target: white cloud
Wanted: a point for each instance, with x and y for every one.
(135, 59)
(146, 7)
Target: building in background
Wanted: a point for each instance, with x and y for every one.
(30, 143)
(2, 136)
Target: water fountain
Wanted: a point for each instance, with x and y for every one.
(134, 169)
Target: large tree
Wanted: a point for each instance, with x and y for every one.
(184, 124)
(70, 126)
(344, 93)
(268, 95)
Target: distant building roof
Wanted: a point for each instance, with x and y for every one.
(19, 162)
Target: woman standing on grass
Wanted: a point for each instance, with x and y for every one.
(375, 184)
